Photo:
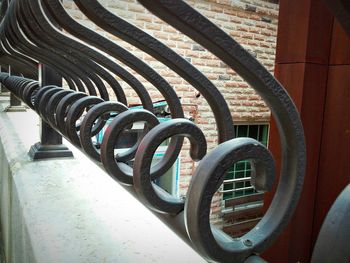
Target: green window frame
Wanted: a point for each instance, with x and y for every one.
(237, 181)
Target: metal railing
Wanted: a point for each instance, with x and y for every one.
(30, 34)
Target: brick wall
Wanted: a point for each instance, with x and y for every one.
(253, 23)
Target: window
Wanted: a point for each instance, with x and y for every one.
(237, 182)
(242, 205)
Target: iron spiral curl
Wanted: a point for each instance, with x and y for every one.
(30, 33)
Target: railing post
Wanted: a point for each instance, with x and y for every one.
(50, 145)
(15, 103)
(3, 90)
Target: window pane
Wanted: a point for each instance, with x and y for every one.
(263, 132)
(253, 131)
(239, 185)
(240, 174)
(240, 166)
(242, 131)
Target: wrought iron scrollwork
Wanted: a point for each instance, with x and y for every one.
(30, 33)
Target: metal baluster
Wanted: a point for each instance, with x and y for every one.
(15, 103)
(3, 90)
(50, 145)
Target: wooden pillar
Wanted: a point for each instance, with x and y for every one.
(304, 44)
(334, 164)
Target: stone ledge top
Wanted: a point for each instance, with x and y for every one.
(72, 211)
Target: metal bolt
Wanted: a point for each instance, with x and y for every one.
(248, 242)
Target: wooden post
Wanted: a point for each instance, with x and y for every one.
(313, 64)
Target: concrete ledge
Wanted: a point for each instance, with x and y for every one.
(70, 210)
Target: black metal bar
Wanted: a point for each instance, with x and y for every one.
(50, 145)
(3, 89)
(332, 242)
(15, 103)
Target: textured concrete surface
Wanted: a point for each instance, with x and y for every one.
(70, 210)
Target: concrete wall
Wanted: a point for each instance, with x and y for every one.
(68, 210)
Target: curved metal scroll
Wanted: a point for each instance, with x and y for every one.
(332, 244)
(29, 35)
(187, 20)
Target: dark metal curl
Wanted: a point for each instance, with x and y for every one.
(200, 29)
(101, 110)
(207, 179)
(153, 196)
(62, 18)
(63, 107)
(52, 106)
(332, 243)
(28, 91)
(75, 113)
(131, 34)
(42, 105)
(113, 163)
(39, 94)
(136, 64)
